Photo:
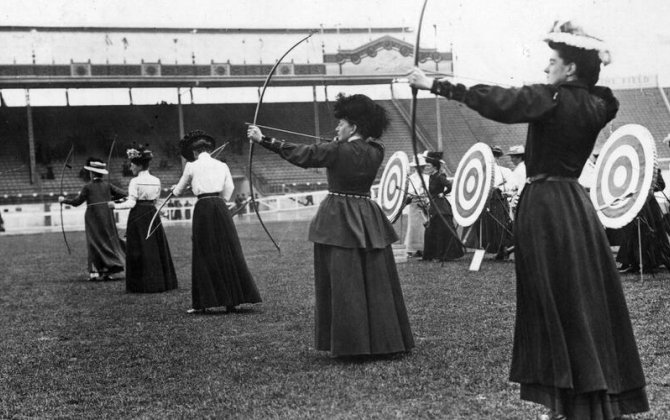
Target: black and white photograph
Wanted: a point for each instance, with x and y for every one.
(320, 209)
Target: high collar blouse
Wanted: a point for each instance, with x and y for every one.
(206, 175)
(143, 187)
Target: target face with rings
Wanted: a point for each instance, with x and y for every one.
(393, 186)
(473, 183)
(624, 175)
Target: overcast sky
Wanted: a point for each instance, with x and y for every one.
(493, 40)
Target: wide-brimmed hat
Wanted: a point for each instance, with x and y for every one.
(422, 160)
(570, 33)
(516, 150)
(96, 165)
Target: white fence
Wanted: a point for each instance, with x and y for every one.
(38, 218)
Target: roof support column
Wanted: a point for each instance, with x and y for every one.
(317, 128)
(31, 141)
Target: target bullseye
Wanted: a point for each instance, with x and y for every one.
(473, 183)
(393, 186)
(625, 172)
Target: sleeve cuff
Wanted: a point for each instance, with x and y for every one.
(448, 90)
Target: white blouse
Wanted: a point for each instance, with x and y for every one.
(143, 187)
(206, 175)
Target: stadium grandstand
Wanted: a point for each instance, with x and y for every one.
(88, 88)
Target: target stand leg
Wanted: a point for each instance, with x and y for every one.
(478, 256)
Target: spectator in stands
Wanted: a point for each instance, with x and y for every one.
(440, 240)
(359, 303)
(574, 348)
(106, 251)
(417, 209)
(149, 267)
(653, 236)
(309, 200)
(518, 179)
(219, 272)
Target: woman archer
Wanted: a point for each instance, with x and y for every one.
(360, 309)
(574, 348)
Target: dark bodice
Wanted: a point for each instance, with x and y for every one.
(438, 187)
(564, 120)
(351, 166)
(97, 192)
(344, 221)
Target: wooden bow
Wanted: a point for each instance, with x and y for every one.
(419, 168)
(251, 144)
(62, 176)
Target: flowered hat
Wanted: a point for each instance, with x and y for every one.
(569, 33)
(139, 154)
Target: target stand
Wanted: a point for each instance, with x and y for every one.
(473, 183)
(624, 175)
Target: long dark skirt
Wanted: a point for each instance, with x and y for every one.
(220, 275)
(106, 253)
(654, 233)
(359, 304)
(496, 223)
(574, 349)
(440, 241)
(149, 267)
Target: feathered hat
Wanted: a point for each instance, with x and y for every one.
(194, 140)
(569, 33)
(139, 154)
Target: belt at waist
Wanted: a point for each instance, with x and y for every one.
(339, 194)
(145, 202)
(209, 195)
(546, 177)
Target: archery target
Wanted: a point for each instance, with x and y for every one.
(393, 186)
(473, 183)
(624, 175)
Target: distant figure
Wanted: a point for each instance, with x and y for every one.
(518, 179)
(187, 210)
(177, 209)
(440, 240)
(417, 209)
(654, 232)
(106, 255)
(496, 229)
(50, 172)
(309, 200)
(2, 224)
(149, 267)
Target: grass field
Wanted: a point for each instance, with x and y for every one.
(76, 349)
